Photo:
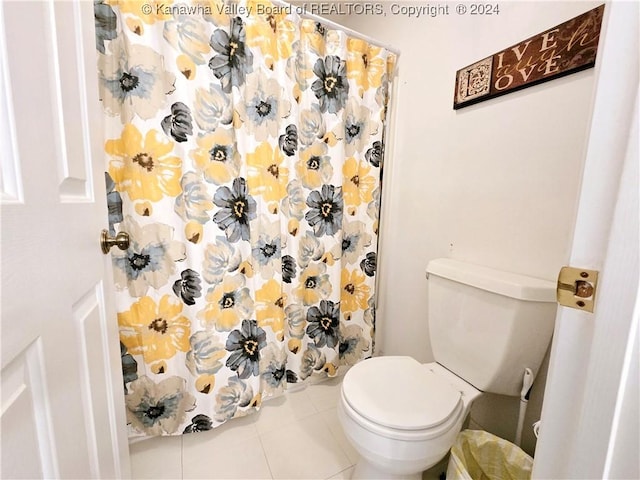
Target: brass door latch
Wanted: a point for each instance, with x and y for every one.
(121, 240)
(577, 288)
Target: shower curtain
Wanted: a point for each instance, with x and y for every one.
(244, 146)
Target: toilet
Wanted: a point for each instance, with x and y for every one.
(486, 327)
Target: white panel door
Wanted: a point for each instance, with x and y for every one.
(62, 392)
(590, 414)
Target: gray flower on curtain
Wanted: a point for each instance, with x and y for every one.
(273, 368)
(296, 322)
(355, 239)
(206, 353)
(188, 287)
(264, 106)
(292, 377)
(352, 345)
(106, 23)
(234, 59)
(129, 366)
(220, 258)
(178, 124)
(194, 200)
(324, 323)
(289, 141)
(358, 127)
(267, 254)
(245, 345)
(157, 408)
(373, 208)
(236, 394)
(212, 107)
(309, 248)
(288, 268)
(375, 153)
(199, 423)
(294, 204)
(238, 208)
(370, 315)
(325, 214)
(133, 80)
(312, 360)
(114, 203)
(188, 35)
(311, 126)
(332, 87)
(150, 258)
(368, 265)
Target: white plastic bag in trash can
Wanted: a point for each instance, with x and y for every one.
(478, 455)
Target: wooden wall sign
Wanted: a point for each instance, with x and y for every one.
(568, 48)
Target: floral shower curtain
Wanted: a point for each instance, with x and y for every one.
(244, 149)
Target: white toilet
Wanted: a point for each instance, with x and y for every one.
(487, 326)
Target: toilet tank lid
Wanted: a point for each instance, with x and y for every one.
(513, 285)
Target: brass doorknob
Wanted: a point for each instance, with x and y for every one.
(121, 240)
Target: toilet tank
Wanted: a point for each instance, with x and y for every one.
(487, 325)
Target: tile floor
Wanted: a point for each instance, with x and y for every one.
(296, 436)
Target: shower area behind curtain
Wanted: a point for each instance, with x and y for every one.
(244, 146)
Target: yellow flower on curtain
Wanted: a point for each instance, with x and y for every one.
(314, 166)
(143, 167)
(354, 293)
(319, 39)
(135, 25)
(193, 231)
(358, 185)
(364, 64)
(270, 31)
(149, 11)
(267, 176)
(228, 303)
(186, 66)
(155, 331)
(270, 301)
(144, 209)
(216, 156)
(312, 37)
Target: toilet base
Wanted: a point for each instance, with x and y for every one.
(365, 471)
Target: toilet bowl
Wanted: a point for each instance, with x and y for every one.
(487, 327)
(401, 416)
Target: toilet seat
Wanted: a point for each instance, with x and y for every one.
(398, 397)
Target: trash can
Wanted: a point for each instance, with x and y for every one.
(479, 455)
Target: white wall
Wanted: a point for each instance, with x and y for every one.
(494, 184)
